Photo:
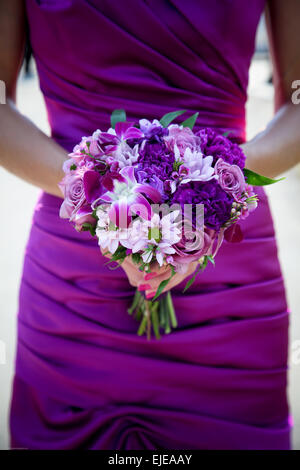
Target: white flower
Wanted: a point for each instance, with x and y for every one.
(137, 236)
(199, 167)
(108, 234)
(162, 234)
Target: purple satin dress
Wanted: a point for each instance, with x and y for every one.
(84, 379)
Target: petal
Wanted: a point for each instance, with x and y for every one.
(84, 215)
(149, 191)
(66, 210)
(176, 152)
(128, 173)
(147, 256)
(113, 246)
(139, 245)
(107, 138)
(133, 133)
(119, 213)
(208, 160)
(107, 197)
(159, 258)
(92, 185)
(109, 177)
(140, 206)
(83, 211)
(234, 233)
(121, 127)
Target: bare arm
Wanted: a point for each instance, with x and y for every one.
(277, 148)
(24, 149)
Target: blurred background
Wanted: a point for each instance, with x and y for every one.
(283, 198)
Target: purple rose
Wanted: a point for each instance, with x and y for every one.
(231, 178)
(191, 249)
(74, 196)
(183, 138)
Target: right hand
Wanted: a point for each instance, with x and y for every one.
(149, 283)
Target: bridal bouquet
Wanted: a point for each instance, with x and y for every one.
(158, 192)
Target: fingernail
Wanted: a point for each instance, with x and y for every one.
(150, 295)
(144, 287)
(149, 276)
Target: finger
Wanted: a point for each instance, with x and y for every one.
(155, 281)
(149, 294)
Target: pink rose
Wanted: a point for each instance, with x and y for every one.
(231, 178)
(192, 249)
(74, 196)
(82, 216)
(183, 137)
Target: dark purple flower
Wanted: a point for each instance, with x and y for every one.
(217, 203)
(215, 144)
(155, 165)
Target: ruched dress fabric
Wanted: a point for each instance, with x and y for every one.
(84, 379)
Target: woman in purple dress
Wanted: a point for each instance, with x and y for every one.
(84, 379)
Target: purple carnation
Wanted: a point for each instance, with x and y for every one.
(217, 145)
(155, 165)
(217, 203)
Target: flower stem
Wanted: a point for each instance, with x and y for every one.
(148, 317)
(171, 310)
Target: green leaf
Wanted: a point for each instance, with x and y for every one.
(210, 258)
(191, 281)
(163, 284)
(73, 166)
(204, 264)
(169, 117)
(118, 115)
(120, 253)
(136, 258)
(94, 214)
(176, 165)
(89, 227)
(161, 287)
(190, 122)
(225, 134)
(259, 180)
